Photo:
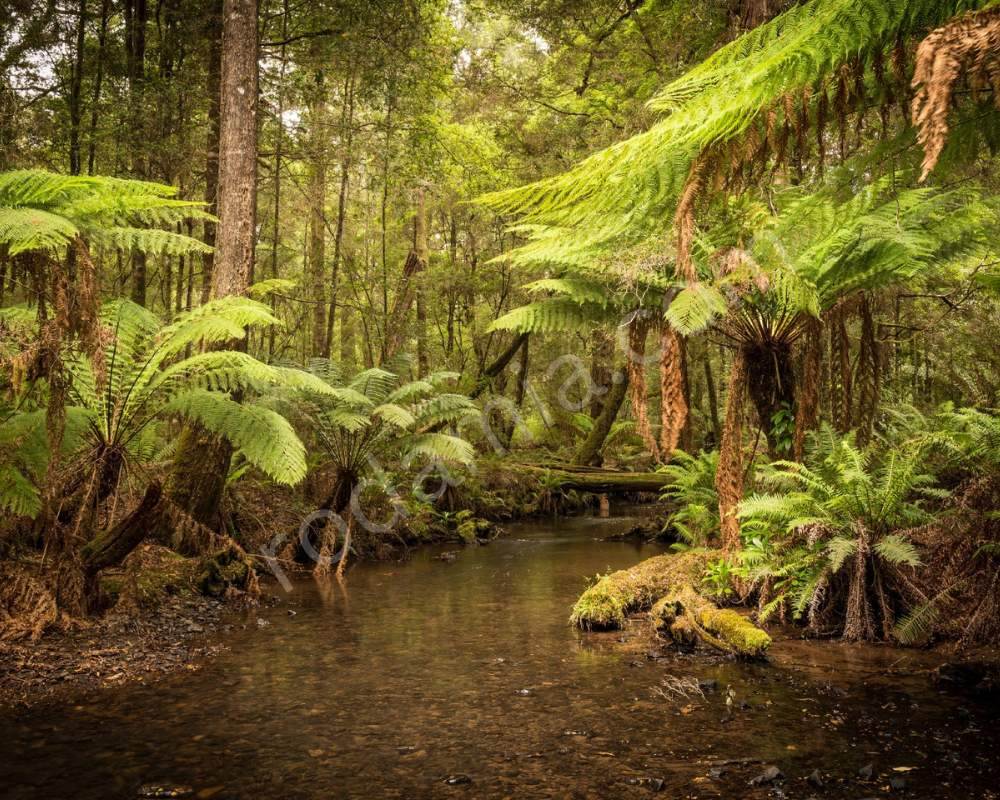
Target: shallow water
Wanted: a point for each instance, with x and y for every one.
(420, 671)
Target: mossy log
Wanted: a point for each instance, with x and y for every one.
(601, 481)
(667, 584)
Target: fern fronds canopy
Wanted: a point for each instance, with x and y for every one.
(729, 110)
(44, 211)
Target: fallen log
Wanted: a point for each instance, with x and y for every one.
(666, 583)
(601, 481)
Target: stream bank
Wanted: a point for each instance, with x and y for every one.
(462, 678)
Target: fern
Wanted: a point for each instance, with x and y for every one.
(43, 211)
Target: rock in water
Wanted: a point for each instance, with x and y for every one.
(457, 780)
(866, 772)
(815, 779)
(157, 790)
(770, 775)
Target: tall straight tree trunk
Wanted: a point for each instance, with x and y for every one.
(102, 39)
(416, 263)
(136, 17)
(202, 461)
(76, 91)
(346, 135)
(421, 248)
(213, 32)
(638, 332)
(807, 402)
(317, 220)
(673, 389)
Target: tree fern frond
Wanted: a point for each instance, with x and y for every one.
(264, 438)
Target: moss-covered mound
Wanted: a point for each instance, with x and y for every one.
(666, 583)
(688, 617)
(615, 596)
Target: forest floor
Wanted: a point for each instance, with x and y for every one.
(113, 651)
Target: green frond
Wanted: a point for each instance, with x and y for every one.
(918, 625)
(839, 549)
(394, 415)
(897, 550)
(270, 286)
(440, 446)
(695, 307)
(263, 437)
(552, 315)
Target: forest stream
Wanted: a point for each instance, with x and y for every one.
(462, 678)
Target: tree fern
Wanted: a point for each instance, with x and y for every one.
(44, 211)
(631, 188)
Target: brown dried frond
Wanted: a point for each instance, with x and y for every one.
(684, 216)
(27, 606)
(967, 45)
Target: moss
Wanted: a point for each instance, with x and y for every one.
(745, 638)
(665, 584)
(607, 603)
(225, 569)
(152, 573)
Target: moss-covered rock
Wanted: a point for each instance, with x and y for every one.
(608, 602)
(665, 584)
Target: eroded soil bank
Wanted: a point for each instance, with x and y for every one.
(462, 678)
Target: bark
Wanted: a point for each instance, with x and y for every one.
(601, 481)
(347, 135)
(602, 353)
(869, 374)
(807, 407)
(638, 331)
(213, 32)
(729, 476)
(713, 398)
(197, 479)
(102, 39)
(406, 294)
(841, 393)
(498, 366)
(317, 222)
(589, 452)
(136, 17)
(110, 548)
(420, 247)
(673, 389)
(771, 385)
(76, 91)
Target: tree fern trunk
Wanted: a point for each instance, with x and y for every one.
(729, 474)
(589, 452)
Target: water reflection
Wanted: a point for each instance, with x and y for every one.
(462, 678)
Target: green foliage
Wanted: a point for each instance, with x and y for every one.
(835, 507)
(45, 211)
(692, 490)
(629, 190)
(375, 415)
(140, 379)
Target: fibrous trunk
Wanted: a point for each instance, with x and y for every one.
(673, 389)
(729, 474)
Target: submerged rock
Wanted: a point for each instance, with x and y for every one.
(866, 772)
(770, 775)
(815, 779)
(158, 790)
(458, 779)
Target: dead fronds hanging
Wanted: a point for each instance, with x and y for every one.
(969, 45)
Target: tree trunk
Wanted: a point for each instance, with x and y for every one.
(589, 452)
(201, 464)
(110, 548)
(317, 220)
(713, 399)
(673, 389)
(102, 39)
(396, 322)
(729, 475)
(213, 32)
(493, 370)
(602, 352)
(771, 385)
(807, 407)
(422, 250)
(347, 136)
(638, 330)
(76, 91)
(136, 17)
